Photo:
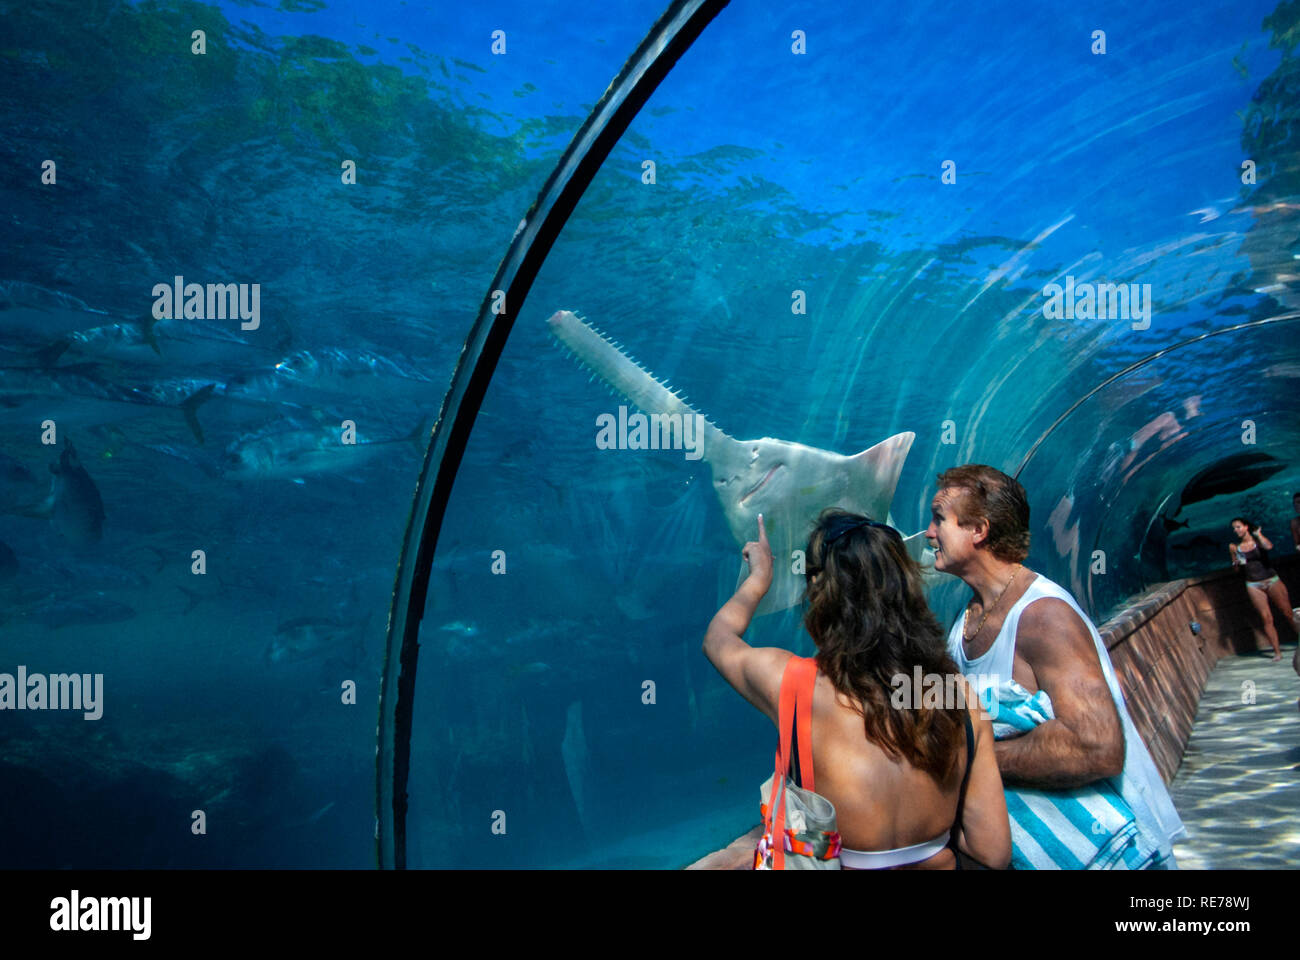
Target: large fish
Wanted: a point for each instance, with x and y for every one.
(789, 483)
(299, 381)
(309, 638)
(1232, 474)
(175, 343)
(330, 370)
(31, 315)
(34, 314)
(74, 506)
(294, 453)
(77, 393)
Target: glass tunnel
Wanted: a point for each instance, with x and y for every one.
(1059, 240)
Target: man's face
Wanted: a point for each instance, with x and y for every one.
(952, 544)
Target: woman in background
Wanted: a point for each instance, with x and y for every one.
(893, 773)
(1262, 581)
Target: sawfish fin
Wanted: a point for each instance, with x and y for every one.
(882, 464)
(863, 483)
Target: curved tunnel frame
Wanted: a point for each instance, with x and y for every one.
(669, 38)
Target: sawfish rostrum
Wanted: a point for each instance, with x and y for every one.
(789, 483)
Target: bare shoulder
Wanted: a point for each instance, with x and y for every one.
(1050, 628)
(1049, 613)
(764, 669)
(770, 662)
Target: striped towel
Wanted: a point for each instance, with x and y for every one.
(1086, 828)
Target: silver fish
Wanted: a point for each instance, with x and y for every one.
(297, 453)
(307, 638)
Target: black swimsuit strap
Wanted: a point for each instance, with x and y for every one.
(961, 796)
(796, 776)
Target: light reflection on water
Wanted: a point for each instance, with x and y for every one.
(1238, 790)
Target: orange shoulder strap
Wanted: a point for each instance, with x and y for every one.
(805, 682)
(794, 706)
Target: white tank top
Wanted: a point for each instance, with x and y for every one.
(1140, 784)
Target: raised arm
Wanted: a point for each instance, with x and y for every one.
(755, 672)
(1084, 741)
(985, 832)
(1264, 541)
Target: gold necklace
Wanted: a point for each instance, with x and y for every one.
(988, 609)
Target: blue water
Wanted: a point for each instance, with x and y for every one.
(224, 690)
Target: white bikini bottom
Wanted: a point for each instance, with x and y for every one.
(881, 859)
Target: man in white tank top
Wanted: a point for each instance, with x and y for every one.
(1022, 628)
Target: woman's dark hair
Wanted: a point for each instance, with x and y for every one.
(1250, 528)
(868, 615)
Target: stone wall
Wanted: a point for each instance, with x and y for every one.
(1163, 665)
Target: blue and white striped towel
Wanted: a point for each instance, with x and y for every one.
(1085, 828)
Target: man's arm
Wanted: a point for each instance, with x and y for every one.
(1295, 531)
(1085, 740)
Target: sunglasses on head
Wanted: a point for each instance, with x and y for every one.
(842, 526)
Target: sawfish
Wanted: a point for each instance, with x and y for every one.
(788, 483)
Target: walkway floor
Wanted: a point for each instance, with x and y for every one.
(1238, 789)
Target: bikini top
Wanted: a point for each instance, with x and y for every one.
(1255, 561)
